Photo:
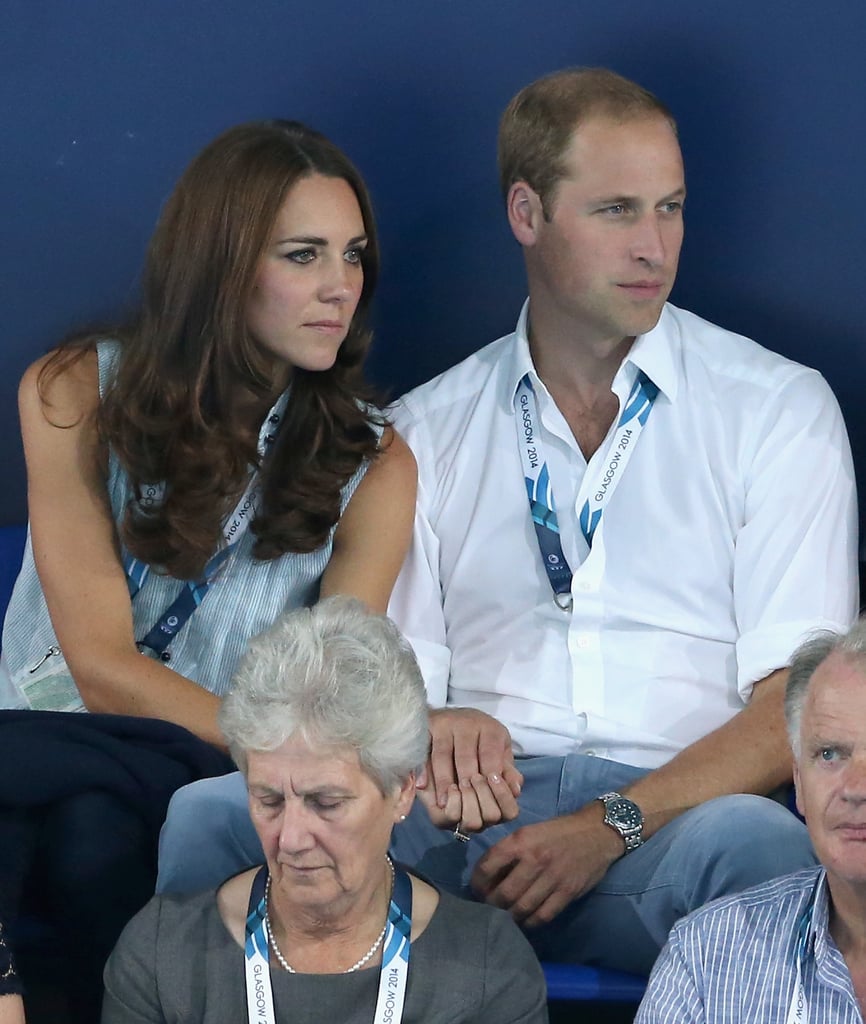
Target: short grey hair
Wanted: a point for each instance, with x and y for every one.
(337, 675)
(806, 660)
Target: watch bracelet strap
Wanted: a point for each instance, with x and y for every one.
(633, 838)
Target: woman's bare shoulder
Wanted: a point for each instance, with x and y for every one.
(62, 388)
(396, 452)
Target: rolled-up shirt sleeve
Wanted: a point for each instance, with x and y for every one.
(795, 563)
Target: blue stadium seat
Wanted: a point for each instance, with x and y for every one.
(11, 549)
(579, 983)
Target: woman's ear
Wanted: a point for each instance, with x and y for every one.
(405, 797)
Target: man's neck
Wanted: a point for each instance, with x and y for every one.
(579, 375)
(848, 920)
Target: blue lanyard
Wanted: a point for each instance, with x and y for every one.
(540, 489)
(393, 974)
(179, 612)
(798, 1011)
(638, 406)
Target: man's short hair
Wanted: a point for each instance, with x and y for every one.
(537, 126)
(806, 660)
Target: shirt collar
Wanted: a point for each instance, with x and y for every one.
(521, 360)
(656, 353)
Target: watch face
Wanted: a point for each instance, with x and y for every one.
(625, 813)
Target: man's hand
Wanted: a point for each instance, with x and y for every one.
(538, 870)
(471, 768)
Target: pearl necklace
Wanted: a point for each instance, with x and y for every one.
(287, 966)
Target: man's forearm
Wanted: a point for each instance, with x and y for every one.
(748, 754)
(537, 870)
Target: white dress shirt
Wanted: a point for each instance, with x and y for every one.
(730, 536)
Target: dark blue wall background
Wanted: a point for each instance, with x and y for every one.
(102, 104)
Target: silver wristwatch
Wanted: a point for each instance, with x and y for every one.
(625, 817)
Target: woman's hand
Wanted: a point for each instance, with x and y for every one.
(470, 779)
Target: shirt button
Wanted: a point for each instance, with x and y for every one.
(583, 642)
(589, 753)
(585, 586)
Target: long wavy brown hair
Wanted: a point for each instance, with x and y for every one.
(188, 361)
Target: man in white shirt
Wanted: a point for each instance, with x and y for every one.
(627, 520)
(631, 646)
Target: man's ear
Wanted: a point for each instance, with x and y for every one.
(525, 212)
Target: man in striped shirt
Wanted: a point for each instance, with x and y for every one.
(792, 950)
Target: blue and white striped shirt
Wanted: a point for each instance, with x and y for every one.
(734, 961)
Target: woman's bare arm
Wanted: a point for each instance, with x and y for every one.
(372, 537)
(77, 555)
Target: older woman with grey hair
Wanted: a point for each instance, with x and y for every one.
(328, 723)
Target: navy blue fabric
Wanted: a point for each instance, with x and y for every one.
(82, 799)
(47, 756)
(10, 983)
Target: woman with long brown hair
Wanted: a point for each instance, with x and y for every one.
(191, 475)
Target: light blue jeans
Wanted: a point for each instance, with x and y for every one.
(721, 847)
